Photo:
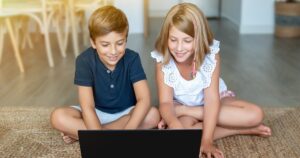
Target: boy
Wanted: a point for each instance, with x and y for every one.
(112, 87)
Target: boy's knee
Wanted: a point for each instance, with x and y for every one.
(56, 117)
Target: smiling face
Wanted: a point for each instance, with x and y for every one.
(181, 45)
(110, 48)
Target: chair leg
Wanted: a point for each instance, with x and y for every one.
(1, 40)
(83, 25)
(15, 45)
(26, 33)
(74, 29)
(60, 37)
(48, 47)
(46, 34)
(67, 29)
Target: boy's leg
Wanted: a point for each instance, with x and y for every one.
(68, 120)
(151, 120)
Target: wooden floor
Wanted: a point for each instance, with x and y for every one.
(259, 68)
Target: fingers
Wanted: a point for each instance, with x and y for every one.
(218, 154)
(208, 155)
(213, 154)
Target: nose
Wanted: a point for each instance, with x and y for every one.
(113, 50)
(179, 46)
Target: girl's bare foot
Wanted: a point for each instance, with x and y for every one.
(260, 130)
(67, 139)
(162, 124)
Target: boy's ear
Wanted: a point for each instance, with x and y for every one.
(93, 43)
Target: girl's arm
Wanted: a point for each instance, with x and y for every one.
(86, 100)
(142, 106)
(165, 96)
(211, 107)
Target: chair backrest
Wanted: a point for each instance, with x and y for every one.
(19, 3)
(95, 2)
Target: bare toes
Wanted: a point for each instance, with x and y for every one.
(67, 139)
(162, 124)
(264, 131)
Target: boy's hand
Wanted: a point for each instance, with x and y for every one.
(208, 150)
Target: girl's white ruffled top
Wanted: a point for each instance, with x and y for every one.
(191, 92)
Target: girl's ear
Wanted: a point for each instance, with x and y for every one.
(93, 43)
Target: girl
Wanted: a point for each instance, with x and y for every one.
(191, 94)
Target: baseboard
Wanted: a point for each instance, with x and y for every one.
(256, 29)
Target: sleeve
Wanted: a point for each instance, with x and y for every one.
(209, 64)
(83, 73)
(136, 70)
(157, 56)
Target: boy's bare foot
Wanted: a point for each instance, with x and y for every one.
(162, 124)
(67, 139)
(260, 130)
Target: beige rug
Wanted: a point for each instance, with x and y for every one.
(26, 132)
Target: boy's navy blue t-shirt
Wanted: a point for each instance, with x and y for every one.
(113, 90)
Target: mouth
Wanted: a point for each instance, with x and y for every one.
(113, 58)
(180, 54)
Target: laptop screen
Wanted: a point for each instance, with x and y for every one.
(181, 143)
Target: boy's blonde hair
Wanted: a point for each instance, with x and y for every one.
(189, 19)
(107, 19)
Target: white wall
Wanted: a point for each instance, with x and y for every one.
(209, 7)
(257, 16)
(232, 11)
(135, 13)
(250, 16)
(159, 8)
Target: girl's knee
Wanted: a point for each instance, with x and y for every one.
(256, 116)
(152, 118)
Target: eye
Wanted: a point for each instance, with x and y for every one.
(120, 43)
(188, 41)
(172, 39)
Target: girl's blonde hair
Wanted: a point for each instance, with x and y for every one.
(189, 19)
(107, 19)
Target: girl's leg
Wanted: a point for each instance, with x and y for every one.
(151, 120)
(233, 113)
(221, 132)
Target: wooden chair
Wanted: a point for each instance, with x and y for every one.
(43, 12)
(5, 25)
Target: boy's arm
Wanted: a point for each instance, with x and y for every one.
(165, 96)
(87, 104)
(142, 106)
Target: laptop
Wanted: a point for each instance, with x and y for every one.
(152, 143)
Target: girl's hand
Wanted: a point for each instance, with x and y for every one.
(208, 150)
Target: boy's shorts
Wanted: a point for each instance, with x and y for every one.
(105, 117)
